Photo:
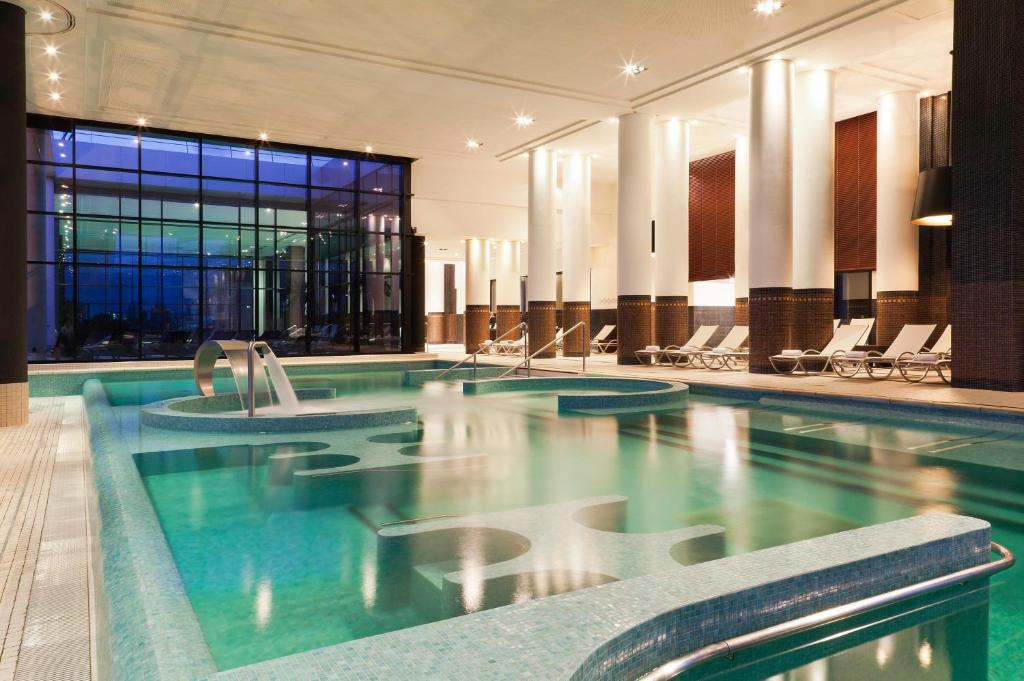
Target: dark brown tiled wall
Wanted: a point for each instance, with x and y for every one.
(988, 194)
(671, 320)
(895, 309)
(633, 327)
(742, 313)
(599, 317)
(435, 327)
(771, 321)
(934, 243)
(576, 344)
(712, 217)
(855, 194)
(812, 317)
(540, 316)
(722, 316)
(478, 326)
(506, 317)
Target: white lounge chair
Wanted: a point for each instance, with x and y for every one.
(908, 343)
(509, 347)
(601, 343)
(843, 340)
(868, 323)
(939, 357)
(683, 355)
(728, 354)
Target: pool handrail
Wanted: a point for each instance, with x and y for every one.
(728, 647)
(521, 326)
(556, 339)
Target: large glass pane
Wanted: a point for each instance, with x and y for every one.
(282, 311)
(381, 316)
(220, 246)
(108, 319)
(229, 159)
(170, 197)
(106, 192)
(49, 188)
(170, 243)
(335, 251)
(282, 166)
(50, 238)
(333, 209)
(290, 249)
(380, 177)
(282, 206)
(382, 253)
(380, 213)
(45, 144)
(107, 147)
(170, 154)
(50, 319)
(227, 201)
(229, 304)
(170, 312)
(332, 171)
(107, 241)
(331, 326)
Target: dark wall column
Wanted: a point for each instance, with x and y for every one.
(414, 322)
(988, 194)
(13, 272)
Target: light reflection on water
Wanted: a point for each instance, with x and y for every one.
(767, 476)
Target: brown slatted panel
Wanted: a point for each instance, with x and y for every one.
(712, 217)
(856, 174)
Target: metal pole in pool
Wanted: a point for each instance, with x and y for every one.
(251, 385)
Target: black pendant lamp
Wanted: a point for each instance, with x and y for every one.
(933, 205)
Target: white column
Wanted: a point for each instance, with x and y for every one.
(478, 272)
(742, 224)
(634, 236)
(814, 154)
(672, 208)
(896, 236)
(576, 228)
(540, 242)
(506, 273)
(771, 174)
(771, 211)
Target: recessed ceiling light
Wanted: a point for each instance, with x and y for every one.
(46, 16)
(473, 144)
(53, 76)
(54, 96)
(743, 70)
(766, 8)
(926, 93)
(369, 148)
(264, 136)
(140, 121)
(524, 120)
(613, 120)
(51, 50)
(631, 69)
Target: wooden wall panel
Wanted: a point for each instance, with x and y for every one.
(712, 217)
(856, 173)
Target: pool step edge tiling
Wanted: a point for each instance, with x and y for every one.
(624, 629)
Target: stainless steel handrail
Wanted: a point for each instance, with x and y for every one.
(521, 326)
(526, 360)
(729, 646)
(406, 521)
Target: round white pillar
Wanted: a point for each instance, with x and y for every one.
(896, 238)
(634, 236)
(478, 292)
(742, 230)
(671, 232)
(771, 210)
(814, 151)
(541, 249)
(507, 287)
(576, 252)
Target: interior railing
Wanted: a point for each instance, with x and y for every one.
(521, 326)
(527, 359)
(729, 647)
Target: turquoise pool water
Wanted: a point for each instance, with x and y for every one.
(269, 573)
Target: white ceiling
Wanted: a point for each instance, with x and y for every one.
(419, 77)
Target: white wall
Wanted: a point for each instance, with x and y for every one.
(434, 285)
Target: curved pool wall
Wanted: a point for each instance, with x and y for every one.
(463, 373)
(146, 627)
(646, 621)
(594, 394)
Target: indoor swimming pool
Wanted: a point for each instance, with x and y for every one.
(276, 536)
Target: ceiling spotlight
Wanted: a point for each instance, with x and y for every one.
(54, 96)
(766, 8)
(613, 120)
(473, 144)
(46, 16)
(264, 137)
(524, 120)
(743, 70)
(632, 69)
(140, 121)
(53, 76)
(369, 149)
(51, 50)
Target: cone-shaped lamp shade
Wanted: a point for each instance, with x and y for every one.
(933, 206)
